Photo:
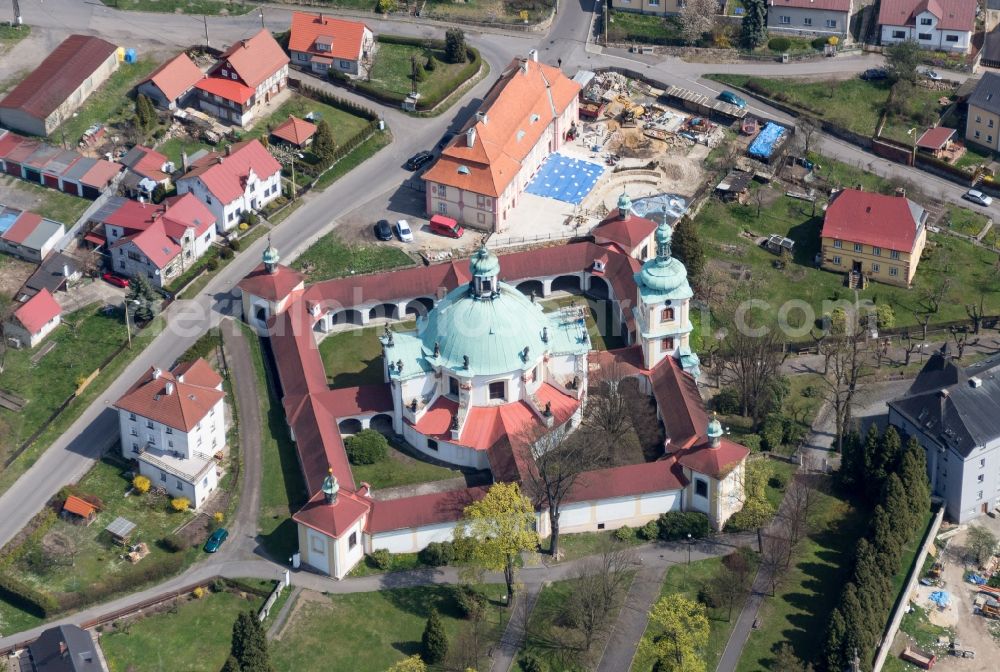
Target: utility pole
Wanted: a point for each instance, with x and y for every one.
(17, 13)
(205, 19)
(261, 10)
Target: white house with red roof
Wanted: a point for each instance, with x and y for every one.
(28, 235)
(479, 177)
(173, 424)
(34, 320)
(874, 236)
(810, 17)
(942, 25)
(170, 85)
(145, 169)
(323, 43)
(245, 77)
(484, 374)
(244, 178)
(156, 241)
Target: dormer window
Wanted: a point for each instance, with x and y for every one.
(599, 266)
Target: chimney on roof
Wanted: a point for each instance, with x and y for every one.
(157, 372)
(63, 649)
(184, 162)
(244, 43)
(229, 150)
(319, 18)
(481, 116)
(470, 137)
(533, 55)
(943, 394)
(901, 192)
(65, 270)
(170, 388)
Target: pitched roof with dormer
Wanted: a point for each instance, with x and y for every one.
(179, 399)
(344, 38)
(254, 59)
(951, 14)
(226, 175)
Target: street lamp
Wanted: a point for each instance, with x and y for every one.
(261, 10)
(689, 548)
(128, 329)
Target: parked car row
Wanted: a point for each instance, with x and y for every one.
(439, 224)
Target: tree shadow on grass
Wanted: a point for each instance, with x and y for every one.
(370, 374)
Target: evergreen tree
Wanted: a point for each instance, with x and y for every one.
(455, 49)
(785, 660)
(322, 145)
(870, 577)
(231, 665)
(897, 505)
(862, 625)
(833, 648)
(754, 25)
(913, 473)
(688, 248)
(431, 63)
(873, 470)
(142, 298)
(249, 645)
(885, 540)
(416, 71)
(145, 113)
(852, 463)
(434, 643)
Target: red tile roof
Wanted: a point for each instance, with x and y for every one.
(872, 219)
(628, 480)
(154, 244)
(318, 442)
(226, 176)
(935, 138)
(342, 402)
(59, 75)
(101, 173)
(959, 15)
(22, 227)
(628, 232)
(183, 408)
(255, 59)
(407, 512)
(296, 131)
(176, 76)
(823, 5)
(332, 519)
(518, 108)
(715, 462)
(8, 142)
(271, 286)
(680, 403)
(616, 363)
(226, 88)
(197, 372)
(38, 311)
(347, 36)
(77, 506)
(186, 211)
(149, 164)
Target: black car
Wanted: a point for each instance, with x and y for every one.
(418, 160)
(873, 74)
(382, 230)
(445, 140)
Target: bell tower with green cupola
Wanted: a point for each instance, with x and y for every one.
(662, 311)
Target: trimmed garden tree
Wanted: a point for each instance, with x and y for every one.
(434, 643)
(502, 526)
(366, 447)
(323, 146)
(754, 24)
(249, 645)
(455, 48)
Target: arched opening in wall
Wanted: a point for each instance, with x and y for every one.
(349, 316)
(566, 283)
(382, 423)
(529, 287)
(419, 307)
(350, 426)
(260, 314)
(599, 287)
(384, 311)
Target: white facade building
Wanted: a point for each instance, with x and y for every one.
(941, 26)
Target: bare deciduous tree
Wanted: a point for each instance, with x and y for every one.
(805, 130)
(697, 17)
(975, 313)
(599, 590)
(775, 553)
(843, 378)
(750, 363)
(961, 337)
(910, 346)
(799, 504)
(732, 582)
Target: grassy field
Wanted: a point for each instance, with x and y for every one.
(43, 201)
(964, 220)
(582, 544)
(810, 589)
(974, 157)
(920, 108)
(174, 147)
(687, 580)
(970, 269)
(109, 103)
(282, 489)
(210, 7)
(603, 328)
(11, 35)
(332, 257)
(353, 357)
(632, 26)
(392, 71)
(343, 125)
(785, 471)
(385, 626)
(354, 158)
(195, 636)
(400, 469)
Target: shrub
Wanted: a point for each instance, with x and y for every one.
(381, 558)
(218, 586)
(650, 530)
(225, 253)
(243, 226)
(751, 441)
(198, 593)
(436, 554)
(173, 543)
(810, 391)
(366, 447)
(833, 40)
(431, 63)
(818, 43)
(532, 663)
(471, 603)
(434, 643)
(235, 244)
(218, 516)
(141, 484)
(773, 432)
(386, 6)
(779, 44)
(180, 504)
(727, 401)
(777, 480)
(676, 525)
(625, 534)
(212, 264)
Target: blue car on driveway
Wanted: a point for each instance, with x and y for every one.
(214, 541)
(732, 99)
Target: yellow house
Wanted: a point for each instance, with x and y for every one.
(982, 126)
(874, 236)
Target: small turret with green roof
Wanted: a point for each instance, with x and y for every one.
(484, 267)
(624, 206)
(271, 257)
(330, 487)
(715, 431)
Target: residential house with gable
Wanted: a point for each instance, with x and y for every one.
(160, 241)
(173, 424)
(243, 179)
(244, 78)
(322, 44)
(145, 168)
(982, 122)
(28, 235)
(34, 320)
(873, 236)
(170, 85)
(942, 25)
(831, 18)
(479, 177)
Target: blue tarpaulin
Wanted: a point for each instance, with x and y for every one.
(940, 598)
(976, 579)
(763, 145)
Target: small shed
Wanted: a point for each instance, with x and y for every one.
(777, 244)
(121, 529)
(936, 140)
(79, 509)
(295, 131)
(734, 185)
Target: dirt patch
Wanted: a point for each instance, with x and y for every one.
(58, 545)
(13, 273)
(303, 600)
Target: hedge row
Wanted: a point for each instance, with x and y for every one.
(43, 522)
(153, 572)
(340, 103)
(27, 597)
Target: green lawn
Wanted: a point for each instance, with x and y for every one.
(353, 357)
(392, 71)
(401, 562)
(400, 469)
(785, 471)
(48, 203)
(973, 157)
(332, 257)
(343, 125)
(635, 27)
(11, 35)
(282, 489)
(109, 103)
(964, 220)
(195, 636)
(920, 109)
(383, 628)
(687, 580)
(603, 328)
(174, 147)
(810, 589)
(353, 159)
(210, 7)
(582, 544)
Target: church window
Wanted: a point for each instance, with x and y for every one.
(667, 315)
(498, 390)
(701, 487)
(668, 343)
(453, 386)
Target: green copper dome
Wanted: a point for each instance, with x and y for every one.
(714, 428)
(271, 256)
(624, 204)
(484, 263)
(664, 234)
(663, 277)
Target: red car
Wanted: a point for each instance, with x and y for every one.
(115, 280)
